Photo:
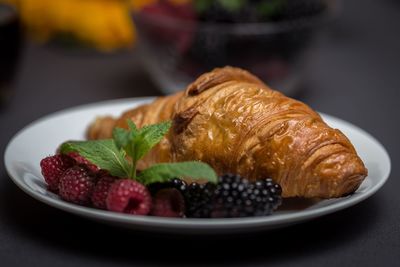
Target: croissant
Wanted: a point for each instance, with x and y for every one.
(231, 120)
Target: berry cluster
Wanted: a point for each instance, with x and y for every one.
(232, 196)
(78, 181)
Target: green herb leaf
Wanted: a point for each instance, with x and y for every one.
(164, 172)
(147, 137)
(132, 127)
(103, 153)
(121, 137)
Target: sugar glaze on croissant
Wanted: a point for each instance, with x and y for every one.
(234, 122)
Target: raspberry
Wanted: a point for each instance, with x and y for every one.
(83, 161)
(101, 173)
(53, 167)
(168, 203)
(76, 185)
(100, 191)
(129, 196)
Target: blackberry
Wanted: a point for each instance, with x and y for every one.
(237, 197)
(196, 196)
(199, 199)
(233, 196)
(176, 183)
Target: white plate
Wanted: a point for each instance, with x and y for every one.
(42, 137)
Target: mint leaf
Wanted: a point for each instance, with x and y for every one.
(136, 143)
(121, 137)
(103, 153)
(125, 138)
(132, 127)
(147, 137)
(164, 172)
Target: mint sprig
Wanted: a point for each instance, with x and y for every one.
(103, 153)
(146, 138)
(120, 155)
(138, 142)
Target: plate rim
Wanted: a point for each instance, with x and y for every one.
(187, 223)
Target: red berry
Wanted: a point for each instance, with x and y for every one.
(76, 185)
(53, 167)
(129, 196)
(101, 173)
(100, 191)
(168, 203)
(81, 160)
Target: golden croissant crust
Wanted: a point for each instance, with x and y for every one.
(233, 121)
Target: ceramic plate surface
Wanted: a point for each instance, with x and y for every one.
(40, 139)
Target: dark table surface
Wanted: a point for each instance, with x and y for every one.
(354, 75)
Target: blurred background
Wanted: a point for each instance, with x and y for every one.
(174, 40)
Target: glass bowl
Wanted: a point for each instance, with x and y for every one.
(176, 51)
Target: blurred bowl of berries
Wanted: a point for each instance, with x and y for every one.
(179, 40)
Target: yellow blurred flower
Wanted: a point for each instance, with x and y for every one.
(105, 24)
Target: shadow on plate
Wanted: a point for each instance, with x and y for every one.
(27, 218)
